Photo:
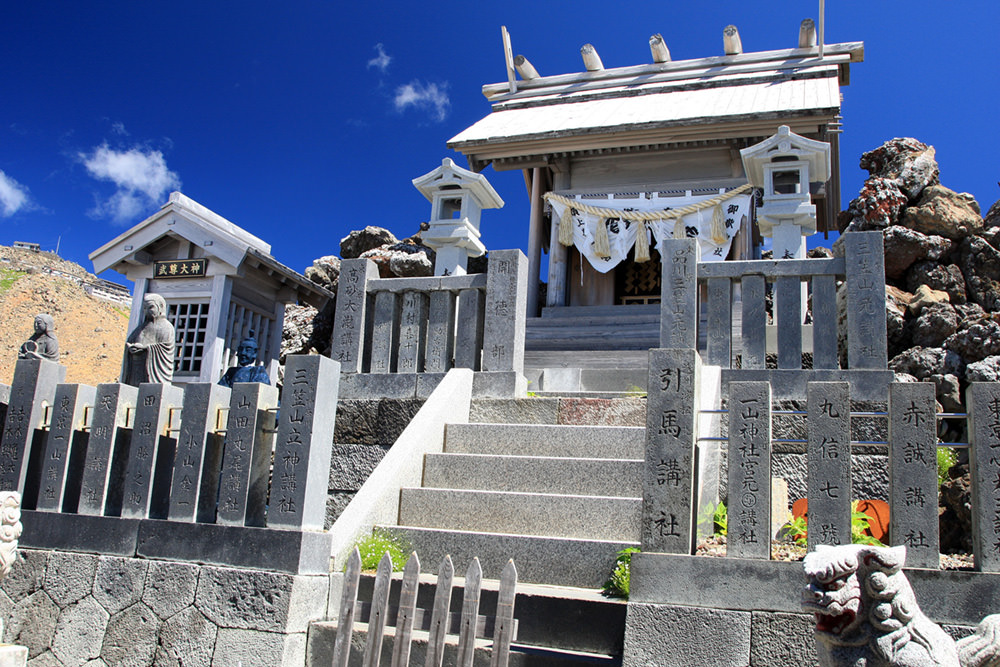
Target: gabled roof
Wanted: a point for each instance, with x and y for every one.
(450, 175)
(183, 218)
(662, 103)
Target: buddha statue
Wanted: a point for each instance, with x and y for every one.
(43, 343)
(247, 370)
(149, 351)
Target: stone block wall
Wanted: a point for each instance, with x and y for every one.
(365, 430)
(77, 610)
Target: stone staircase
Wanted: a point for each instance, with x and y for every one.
(555, 484)
(635, 327)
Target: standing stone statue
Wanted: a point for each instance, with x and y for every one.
(149, 351)
(43, 343)
(247, 370)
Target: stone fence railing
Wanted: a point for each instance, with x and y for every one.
(397, 337)
(669, 512)
(201, 473)
(711, 287)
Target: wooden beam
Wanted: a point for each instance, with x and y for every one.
(508, 60)
(855, 51)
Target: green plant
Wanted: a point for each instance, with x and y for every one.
(720, 519)
(797, 529)
(860, 522)
(379, 542)
(946, 458)
(618, 585)
(8, 277)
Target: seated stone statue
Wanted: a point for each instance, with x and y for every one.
(866, 614)
(43, 343)
(149, 351)
(247, 370)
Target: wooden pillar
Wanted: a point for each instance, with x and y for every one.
(212, 361)
(558, 254)
(534, 241)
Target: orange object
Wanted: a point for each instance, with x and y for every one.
(877, 511)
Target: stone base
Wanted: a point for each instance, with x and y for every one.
(13, 656)
(79, 532)
(71, 609)
(291, 551)
(504, 384)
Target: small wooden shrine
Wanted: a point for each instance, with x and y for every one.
(219, 282)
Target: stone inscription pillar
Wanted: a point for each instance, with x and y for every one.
(679, 294)
(33, 388)
(440, 332)
(671, 433)
(348, 344)
(913, 473)
(111, 408)
(983, 401)
(828, 460)
(194, 487)
(304, 443)
(749, 530)
(865, 268)
(412, 332)
(506, 296)
(65, 436)
(247, 455)
(149, 435)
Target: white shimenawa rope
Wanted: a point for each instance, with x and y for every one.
(645, 216)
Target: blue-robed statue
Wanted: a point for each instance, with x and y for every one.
(248, 370)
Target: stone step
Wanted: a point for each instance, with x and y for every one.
(534, 474)
(572, 410)
(596, 442)
(542, 514)
(543, 560)
(586, 321)
(323, 634)
(589, 359)
(588, 339)
(646, 309)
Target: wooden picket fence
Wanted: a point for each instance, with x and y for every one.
(468, 624)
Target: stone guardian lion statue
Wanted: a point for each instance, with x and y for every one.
(867, 616)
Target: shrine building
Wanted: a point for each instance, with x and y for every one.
(219, 282)
(667, 134)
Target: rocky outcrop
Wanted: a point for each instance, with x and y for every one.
(942, 262)
(361, 241)
(907, 162)
(308, 331)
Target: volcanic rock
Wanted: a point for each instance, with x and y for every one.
(360, 241)
(944, 212)
(923, 362)
(977, 341)
(877, 206)
(907, 161)
(935, 323)
(944, 277)
(980, 264)
(985, 370)
(905, 246)
(325, 272)
(925, 296)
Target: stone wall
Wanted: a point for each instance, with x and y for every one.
(75, 610)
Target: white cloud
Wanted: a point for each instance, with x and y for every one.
(118, 128)
(431, 97)
(382, 60)
(141, 176)
(13, 196)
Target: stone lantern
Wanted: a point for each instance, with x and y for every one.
(783, 166)
(458, 197)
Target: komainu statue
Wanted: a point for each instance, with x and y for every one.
(867, 615)
(10, 532)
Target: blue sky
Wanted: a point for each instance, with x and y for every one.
(301, 121)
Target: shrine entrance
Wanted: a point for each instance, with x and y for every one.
(638, 282)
